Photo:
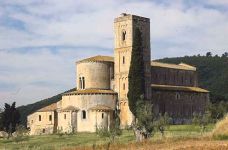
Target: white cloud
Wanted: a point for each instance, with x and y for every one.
(176, 30)
(218, 2)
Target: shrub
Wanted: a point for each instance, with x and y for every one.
(21, 134)
(221, 129)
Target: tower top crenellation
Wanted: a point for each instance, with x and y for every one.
(125, 16)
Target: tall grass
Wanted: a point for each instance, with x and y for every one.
(221, 129)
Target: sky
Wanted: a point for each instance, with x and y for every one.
(40, 41)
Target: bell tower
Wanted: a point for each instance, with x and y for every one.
(124, 27)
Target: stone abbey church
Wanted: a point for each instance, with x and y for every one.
(102, 87)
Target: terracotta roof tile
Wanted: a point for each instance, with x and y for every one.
(98, 58)
(70, 108)
(178, 88)
(181, 66)
(101, 107)
(91, 91)
(51, 107)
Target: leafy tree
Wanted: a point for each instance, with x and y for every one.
(218, 110)
(136, 73)
(114, 130)
(21, 134)
(1, 121)
(202, 120)
(162, 123)
(225, 54)
(208, 54)
(11, 118)
(144, 126)
(195, 118)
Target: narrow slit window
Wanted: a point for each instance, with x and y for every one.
(124, 86)
(50, 117)
(80, 83)
(39, 117)
(123, 60)
(83, 114)
(102, 115)
(64, 116)
(83, 82)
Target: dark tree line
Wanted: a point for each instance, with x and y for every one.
(213, 76)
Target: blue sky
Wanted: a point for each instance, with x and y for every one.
(41, 40)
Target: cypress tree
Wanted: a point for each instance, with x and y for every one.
(10, 118)
(136, 73)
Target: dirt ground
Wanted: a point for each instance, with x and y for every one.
(182, 145)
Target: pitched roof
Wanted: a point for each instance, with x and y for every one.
(70, 108)
(98, 58)
(91, 91)
(178, 88)
(101, 107)
(181, 66)
(51, 107)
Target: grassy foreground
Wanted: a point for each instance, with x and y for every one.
(176, 133)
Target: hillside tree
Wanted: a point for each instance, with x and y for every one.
(208, 54)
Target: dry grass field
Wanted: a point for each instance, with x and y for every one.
(164, 144)
(177, 137)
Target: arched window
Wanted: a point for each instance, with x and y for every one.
(123, 60)
(123, 35)
(80, 83)
(83, 114)
(177, 96)
(83, 82)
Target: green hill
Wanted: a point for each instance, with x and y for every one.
(212, 73)
(28, 109)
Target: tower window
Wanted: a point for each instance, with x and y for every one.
(83, 114)
(123, 60)
(64, 116)
(83, 82)
(123, 35)
(124, 86)
(50, 117)
(102, 115)
(43, 130)
(39, 117)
